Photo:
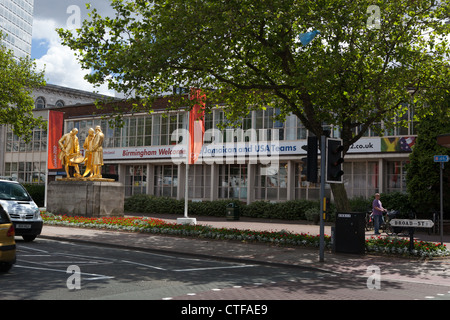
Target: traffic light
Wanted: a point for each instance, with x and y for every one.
(334, 161)
(311, 159)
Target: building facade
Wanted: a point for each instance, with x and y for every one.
(27, 162)
(16, 24)
(260, 160)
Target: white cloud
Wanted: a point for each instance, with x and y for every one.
(59, 63)
(45, 29)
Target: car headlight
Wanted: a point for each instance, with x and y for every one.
(37, 214)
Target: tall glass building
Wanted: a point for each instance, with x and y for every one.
(16, 24)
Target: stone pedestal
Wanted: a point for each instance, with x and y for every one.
(86, 198)
(187, 221)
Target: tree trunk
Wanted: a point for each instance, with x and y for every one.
(340, 197)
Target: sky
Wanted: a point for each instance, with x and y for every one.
(59, 62)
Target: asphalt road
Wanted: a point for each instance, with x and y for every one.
(56, 270)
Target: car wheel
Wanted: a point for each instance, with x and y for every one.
(29, 238)
(5, 267)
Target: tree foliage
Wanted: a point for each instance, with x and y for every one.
(423, 174)
(248, 56)
(249, 53)
(18, 77)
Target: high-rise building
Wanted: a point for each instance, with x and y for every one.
(16, 24)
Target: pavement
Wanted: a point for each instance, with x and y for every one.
(435, 271)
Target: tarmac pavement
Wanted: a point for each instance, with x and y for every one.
(434, 271)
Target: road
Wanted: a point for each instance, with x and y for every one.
(50, 269)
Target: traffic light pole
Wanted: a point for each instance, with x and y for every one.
(323, 157)
(441, 193)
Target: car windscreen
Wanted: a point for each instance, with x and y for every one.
(13, 191)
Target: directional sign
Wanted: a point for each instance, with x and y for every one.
(441, 158)
(412, 223)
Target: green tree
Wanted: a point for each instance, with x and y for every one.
(361, 69)
(422, 177)
(18, 77)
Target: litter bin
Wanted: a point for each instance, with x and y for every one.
(232, 211)
(349, 232)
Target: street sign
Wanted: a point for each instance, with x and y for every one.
(441, 158)
(411, 223)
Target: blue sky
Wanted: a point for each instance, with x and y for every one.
(39, 48)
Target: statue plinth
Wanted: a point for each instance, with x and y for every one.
(88, 197)
(83, 195)
(87, 179)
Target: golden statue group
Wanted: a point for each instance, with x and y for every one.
(70, 154)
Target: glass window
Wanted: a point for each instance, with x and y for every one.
(26, 172)
(273, 185)
(135, 180)
(148, 131)
(396, 176)
(132, 132)
(166, 181)
(157, 129)
(361, 178)
(233, 181)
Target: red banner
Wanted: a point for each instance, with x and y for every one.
(196, 125)
(54, 131)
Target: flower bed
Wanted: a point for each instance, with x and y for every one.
(387, 245)
(114, 223)
(157, 226)
(399, 246)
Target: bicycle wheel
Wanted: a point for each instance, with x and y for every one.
(388, 229)
(369, 222)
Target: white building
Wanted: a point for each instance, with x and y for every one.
(27, 162)
(16, 23)
(143, 154)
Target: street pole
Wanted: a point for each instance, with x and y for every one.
(186, 191)
(186, 181)
(322, 196)
(442, 201)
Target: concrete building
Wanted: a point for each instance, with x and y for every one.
(259, 161)
(26, 162)
(16, 23)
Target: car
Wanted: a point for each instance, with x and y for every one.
(21, 208)
(7, 242)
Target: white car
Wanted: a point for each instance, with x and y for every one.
(22, 210)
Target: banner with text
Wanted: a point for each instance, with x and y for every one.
(55, 129)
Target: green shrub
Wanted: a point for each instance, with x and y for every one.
(37, 192)
(360, 204)
(287, 210)
(312, 214)
(215, 208)
(397, 201)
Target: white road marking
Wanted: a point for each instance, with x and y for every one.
(35, 255)
(92, 275)
(214, 268)
(143, 265)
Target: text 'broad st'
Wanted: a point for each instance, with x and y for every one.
(412, 223)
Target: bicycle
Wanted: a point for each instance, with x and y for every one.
(389, 229)
(369, 221)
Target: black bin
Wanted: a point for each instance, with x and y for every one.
(349, 232)
(232, 211)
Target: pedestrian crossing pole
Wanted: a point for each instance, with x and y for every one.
(441, 194)
(322, 196)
